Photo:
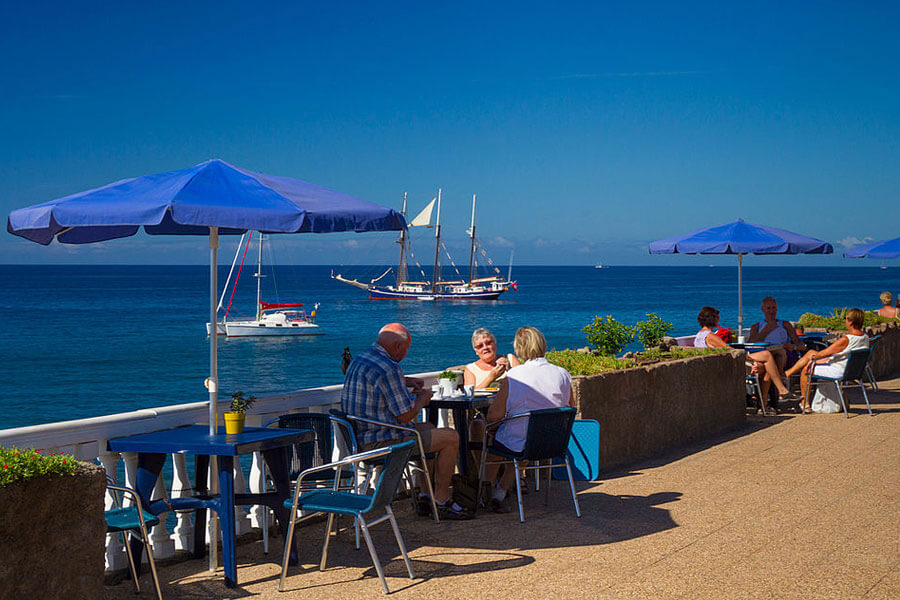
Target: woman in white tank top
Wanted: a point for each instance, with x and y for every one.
(832, 361)
(489, 368)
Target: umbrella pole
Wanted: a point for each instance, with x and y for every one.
(740, 298)
(213, 384)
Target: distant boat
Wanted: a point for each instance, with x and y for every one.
(883, 268)
(272, 319)
(475, 288)
(598, 266)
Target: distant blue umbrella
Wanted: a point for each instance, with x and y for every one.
(207, 199)
(741, 238)
(886, 249)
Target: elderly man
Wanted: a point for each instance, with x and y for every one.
(775, 331)
(375, 388)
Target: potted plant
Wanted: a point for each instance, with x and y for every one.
(447, 381)
(234, 420)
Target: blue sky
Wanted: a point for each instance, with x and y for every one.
(586, 129)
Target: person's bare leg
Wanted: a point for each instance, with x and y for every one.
(766, 359)
(801, 362)
(446, 443)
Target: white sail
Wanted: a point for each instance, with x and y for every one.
(424, 217)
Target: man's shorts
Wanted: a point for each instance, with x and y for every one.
(424, 430)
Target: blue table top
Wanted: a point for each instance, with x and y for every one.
(195, 439)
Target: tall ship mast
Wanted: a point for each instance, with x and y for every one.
(473, 288)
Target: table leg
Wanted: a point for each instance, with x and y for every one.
(201, 472)
(277, 463)
(148, 470)
(461, 420)
(226, 518)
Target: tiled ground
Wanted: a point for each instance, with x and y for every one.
(787, 507)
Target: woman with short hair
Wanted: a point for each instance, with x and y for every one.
(489, 368)
(886, 309)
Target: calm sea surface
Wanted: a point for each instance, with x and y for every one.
(82, 341)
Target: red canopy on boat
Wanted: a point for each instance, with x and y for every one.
(276, 306)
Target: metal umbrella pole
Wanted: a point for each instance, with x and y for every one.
(740, 298)
(213, 385)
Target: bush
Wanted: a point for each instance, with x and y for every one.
(608, 336)
(19, 465)
(651, 331)
(582, 363)
(835, 322)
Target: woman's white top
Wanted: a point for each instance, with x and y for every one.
(856, 342)
(700, 338)
(534, 385)
(480, 374)
(779, 335)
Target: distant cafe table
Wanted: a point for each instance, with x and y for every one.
(152, 449)
(462, 408)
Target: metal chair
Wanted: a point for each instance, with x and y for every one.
(420, 458)
(315, 453)
(359, 506)
(547, 438)
(870, 375)
(131, 518)
(853, 375)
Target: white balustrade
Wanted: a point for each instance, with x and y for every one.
(86, 440)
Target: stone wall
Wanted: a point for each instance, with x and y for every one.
(52, 536)
(885, 359)
(651, 409)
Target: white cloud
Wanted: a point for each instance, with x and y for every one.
(501, 242)
(851, 241)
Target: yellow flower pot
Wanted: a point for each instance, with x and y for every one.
(234, 422)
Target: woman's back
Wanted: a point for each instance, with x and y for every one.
(534, 385)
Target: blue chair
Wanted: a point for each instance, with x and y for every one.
(359, 506)
(131, 518)
(546, 439)
(870, 375)
(853, 376)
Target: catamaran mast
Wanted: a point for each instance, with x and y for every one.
(401, 265)
(259, 277)
(472, 251)
(437, 246)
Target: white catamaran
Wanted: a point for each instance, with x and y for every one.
(474, 288)
(272, 319)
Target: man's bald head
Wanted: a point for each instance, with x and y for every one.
(395, 340)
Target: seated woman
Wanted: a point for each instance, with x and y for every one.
(534, 385)
(708, 319)
(774, 331)
(489, 368)
(887, 310)
(831, 361)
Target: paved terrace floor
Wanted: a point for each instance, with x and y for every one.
(796, 506)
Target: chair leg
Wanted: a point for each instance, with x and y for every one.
(134, 575)
(518, 490)
(871, 376)
(866, 397)
(482, 462)
(572, 488)
(152, 562)
(538, 477)
(400, 542)
(837, 384)
(265, 529)
(427, 476)
(287, 548)
(328, 526)
(375, 561)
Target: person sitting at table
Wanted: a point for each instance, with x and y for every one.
(886, 309)
(708, 319)
(831, 361)
(774, 331)
(533, 385)
(489, 368)
(375, 388)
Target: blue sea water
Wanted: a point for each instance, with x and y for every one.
(89, 340)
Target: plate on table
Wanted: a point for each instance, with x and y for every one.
(485, 393)
(490, 389)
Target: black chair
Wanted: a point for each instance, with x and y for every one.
(870, 375)
(853, 376)
(546, 439)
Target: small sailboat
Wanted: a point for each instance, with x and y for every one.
(473, 288)
(272, 319)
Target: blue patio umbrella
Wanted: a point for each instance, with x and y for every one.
(207, 199)
(885, 249)
(741, 238)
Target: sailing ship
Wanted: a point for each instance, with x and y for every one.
(472, 288)
(272, 318)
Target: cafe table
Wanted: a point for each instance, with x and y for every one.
(461, 407)
(152, 449)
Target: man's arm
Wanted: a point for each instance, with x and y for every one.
(423, 397)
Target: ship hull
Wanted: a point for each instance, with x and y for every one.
(384, 294)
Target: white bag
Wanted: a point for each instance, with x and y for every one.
(826, 399)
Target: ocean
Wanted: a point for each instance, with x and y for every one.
(88, 340)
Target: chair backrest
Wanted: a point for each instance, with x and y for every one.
(873, 340)
(391, 474)
(548, 433)
(349, 437)
(856, 364)
(309, 454)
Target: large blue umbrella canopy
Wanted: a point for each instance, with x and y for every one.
(207, 199)
(885, 249)
(741, 238)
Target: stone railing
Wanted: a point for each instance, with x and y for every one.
(885, 359)
(86, 440)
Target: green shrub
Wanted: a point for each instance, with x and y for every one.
(678, 352)
(608, 336)
(19, 465)
(651, 331)
(582, 363)
(835, 321)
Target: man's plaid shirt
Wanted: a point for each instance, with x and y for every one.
(375, 388)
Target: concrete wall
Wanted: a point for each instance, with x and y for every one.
(885, 359)
(52, 536)
(647, 410)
